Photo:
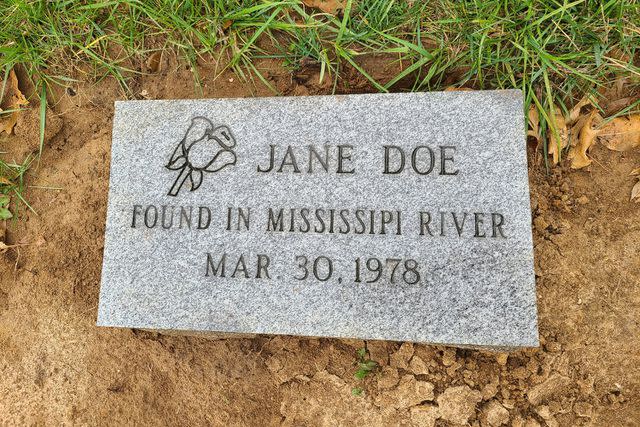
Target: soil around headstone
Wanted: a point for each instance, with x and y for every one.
(57, 367)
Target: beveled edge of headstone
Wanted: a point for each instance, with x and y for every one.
(216, 336)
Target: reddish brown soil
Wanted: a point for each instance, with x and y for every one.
(57, 367)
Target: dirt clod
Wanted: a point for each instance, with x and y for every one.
(583, 409)
(400, 359)
(556, 383)
(418, 366)
(494, 414)
(502, 358)
(582, 200)
(531, 422)
(458, 404)
(409, 392)
(388, 378)
(424, 415)
(540, 223)
(545, 413)
(449, 356)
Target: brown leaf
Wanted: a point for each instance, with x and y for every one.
(534, 124)
(574, 114)
(226, 24)
(327, 6)
(12, 99)
(153, 62)
(617, 53)
(635, 192)
(574, 132)
(578, 154)
(560, 138)
(616, 97)
(457, 89)
(621, 133)
(617, 105)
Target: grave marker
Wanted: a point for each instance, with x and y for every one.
(395, 216)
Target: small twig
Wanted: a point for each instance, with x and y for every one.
(4, 247)
(601, 165)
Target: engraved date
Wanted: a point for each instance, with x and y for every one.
(365, 270)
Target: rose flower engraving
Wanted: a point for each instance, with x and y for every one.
(204, 148)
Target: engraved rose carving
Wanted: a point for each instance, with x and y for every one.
(204, 148)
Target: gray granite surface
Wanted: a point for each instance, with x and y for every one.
(461, 218)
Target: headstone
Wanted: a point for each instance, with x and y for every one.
(393, 217)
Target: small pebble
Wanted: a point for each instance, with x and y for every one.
(582, 200)
(540, 223)
(501, 358)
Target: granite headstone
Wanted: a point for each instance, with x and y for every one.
(393, 216)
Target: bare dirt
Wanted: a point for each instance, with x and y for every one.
(57, 367)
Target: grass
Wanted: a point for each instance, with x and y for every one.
(555, 51)
(12, 184)
(365, 367)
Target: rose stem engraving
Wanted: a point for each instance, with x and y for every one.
(204, 148)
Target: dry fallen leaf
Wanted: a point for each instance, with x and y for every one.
(327, 6)
(574, 114)
(621, 133)
(559, 139)
(153, 62)
(534, 124)
(12, 99)
(578, 154)
(226, 24)
(635, 192)
(618, 54)
(616, 97)
(574, 132)
(617, 105)
(457, 89)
